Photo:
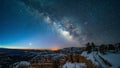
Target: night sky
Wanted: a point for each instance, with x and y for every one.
(58, 23)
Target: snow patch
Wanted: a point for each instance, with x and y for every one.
(74, 65)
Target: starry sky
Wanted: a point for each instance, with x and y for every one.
(58, 23)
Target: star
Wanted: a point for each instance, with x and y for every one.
(30, 44)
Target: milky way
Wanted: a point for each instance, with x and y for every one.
(63, 26)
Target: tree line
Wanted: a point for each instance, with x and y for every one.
(103, 48)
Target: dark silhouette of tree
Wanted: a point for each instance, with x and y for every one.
(93, 46)
(111, 47)
(119, 46)
(88, 48)
(103, 49)
(71, 56)
(55, 64)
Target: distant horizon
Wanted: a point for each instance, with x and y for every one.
(49, 48)
(27, 48)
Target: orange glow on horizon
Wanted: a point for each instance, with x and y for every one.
(54, 48)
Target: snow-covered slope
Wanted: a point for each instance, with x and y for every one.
(114, 59)
(74, 65)
(90, 56)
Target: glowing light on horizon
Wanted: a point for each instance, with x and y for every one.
(54, 48)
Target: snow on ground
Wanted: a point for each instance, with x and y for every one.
(21, 63)
(84, 53)
(90, 56)
(114, 59)
(74, 65)
(24, 63)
